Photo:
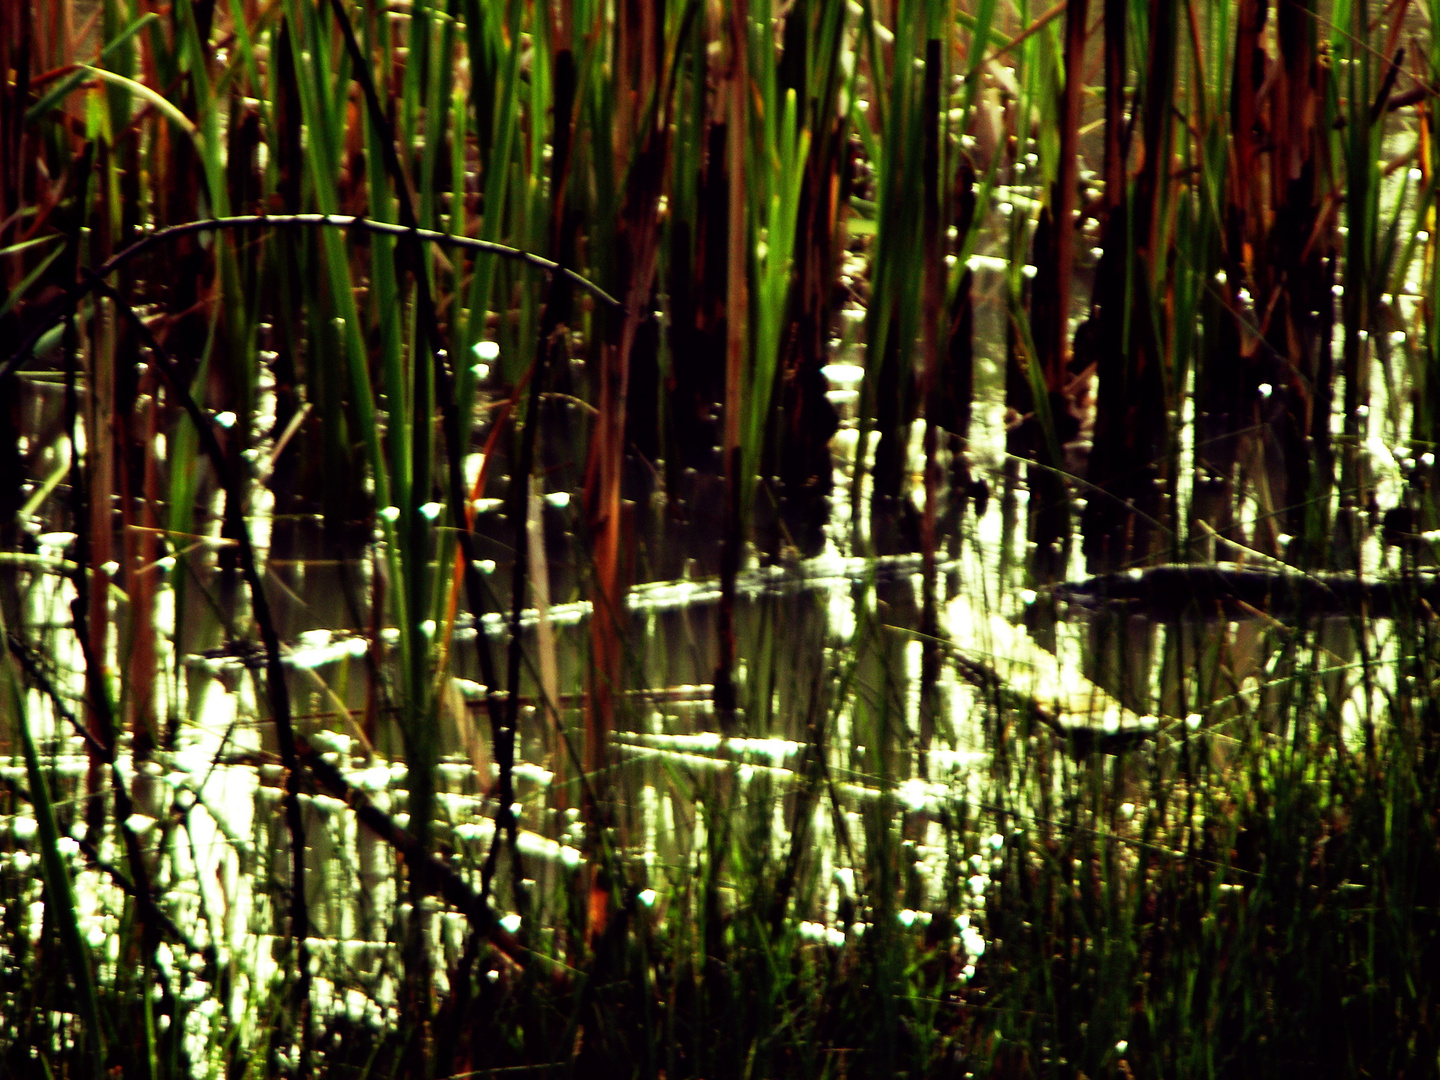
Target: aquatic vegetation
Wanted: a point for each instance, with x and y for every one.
(697, 539)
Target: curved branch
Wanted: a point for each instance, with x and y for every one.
(66, 306)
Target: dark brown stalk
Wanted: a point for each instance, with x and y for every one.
(1147, 346)
(1098, 347)
(605, 511)
(1050, 311)
(139, 495)
(1125, 464)
(1051, 340)
(930, 391)
(1224, 379)
(801, 458)
(1301, 275)
(957, 387)
(99, 483)
(737, 307)
(1116, 132)
(698, 277)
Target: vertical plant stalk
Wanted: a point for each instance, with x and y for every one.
(100, 469)
(1223, 371)
(1115, 131)
(410, 258)
(1362, 146)
(889, 402)
(1055, 238)
(1100, 521)
(141, 545)
(1301, 308)
(1065, 195)
(814, 40)
(1050, 313)
(958, 385)
(934, 300)
(544, 629)
(737, 314)
(1131, 290)
(637, 239)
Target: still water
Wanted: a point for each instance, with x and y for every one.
(832, 636)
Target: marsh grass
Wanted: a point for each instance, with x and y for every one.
(428, 436)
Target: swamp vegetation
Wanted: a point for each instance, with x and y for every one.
(670, 538)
